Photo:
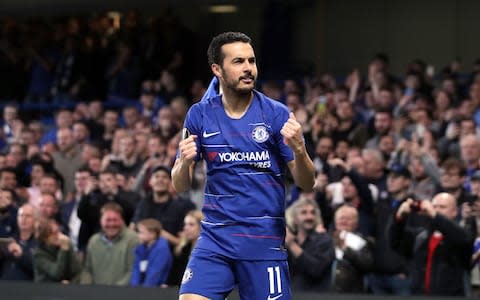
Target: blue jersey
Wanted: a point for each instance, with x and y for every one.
(244, 193)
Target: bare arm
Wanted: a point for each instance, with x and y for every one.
(183, 168)
(301, 166)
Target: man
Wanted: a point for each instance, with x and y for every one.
(8, 214)
(452, 177)
(128, 161)
(162, 205)
(441, 252)
(67, 159)
(69, 209)
(8, 181)
(470, 153)
(16, 258)
(354, 253)
(311, 253)
(390, 270)
(48, 208)
(348, 129)
(91, 202)
(110, 253)
(247, 140)
(383, 123)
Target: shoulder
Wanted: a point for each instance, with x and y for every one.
(321, 238)
(204, 105)
(162, 243)
(130, 236)
(269, 103)
(94, 240)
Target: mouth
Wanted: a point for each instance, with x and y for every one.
(247, 79)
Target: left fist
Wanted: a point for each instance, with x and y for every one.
(292, 134)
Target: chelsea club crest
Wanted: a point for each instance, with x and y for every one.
(260, 134)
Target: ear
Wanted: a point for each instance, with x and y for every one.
(216, 69)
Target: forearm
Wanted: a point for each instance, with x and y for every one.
(303, 171)
(181, 176)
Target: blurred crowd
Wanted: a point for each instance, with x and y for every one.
(88, 199)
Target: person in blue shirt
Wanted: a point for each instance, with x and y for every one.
(247, 141)
(153, 258)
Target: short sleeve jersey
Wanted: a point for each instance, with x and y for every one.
(246, 160)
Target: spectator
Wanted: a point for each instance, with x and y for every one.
(81, 133)
(8, 181)
(453, 172)
(188, 239)
(110, 253)
(470, 153)
(10, 115)
(374, 170)
(355, 191)
(110, 123)
(348, 129)
(54, 259)
(156, 152)
(311, 253)
(48, 208)
(128, 162)
(390, 274)
(441, 253)
(67, 159)
(96, 196)
(36, 175)
(69, 209)
(130, 116)
(354, 253)
(8, 214)
(153, 259)
(383, 125)
(161, 205)
(16, 256)
(63, 119)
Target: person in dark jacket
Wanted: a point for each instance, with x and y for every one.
(390, 274)
(441, 253)
(91, 203)
(311, 253)
(54, 260)
(16, 256)
(153, 258)
(163, 206)
(353, 252)
(8, 214)
(188, 240)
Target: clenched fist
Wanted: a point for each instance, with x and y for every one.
(293, 135)
(187, 149)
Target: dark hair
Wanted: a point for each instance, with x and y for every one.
(214, 52)
(454, 164)
(43, 229)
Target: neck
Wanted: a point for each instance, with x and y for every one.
(345, 124)
(399, 195)
(301, 236)
(128, 161)
(472, 164)
(161, 197)
(25, 234)
(236, 104)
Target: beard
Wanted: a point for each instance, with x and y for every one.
(235, 84)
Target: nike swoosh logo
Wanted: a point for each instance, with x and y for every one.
(274, 298)
(207, 135)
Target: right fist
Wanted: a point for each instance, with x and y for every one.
(188, 149)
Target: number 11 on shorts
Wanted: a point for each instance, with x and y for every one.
(274, 277)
